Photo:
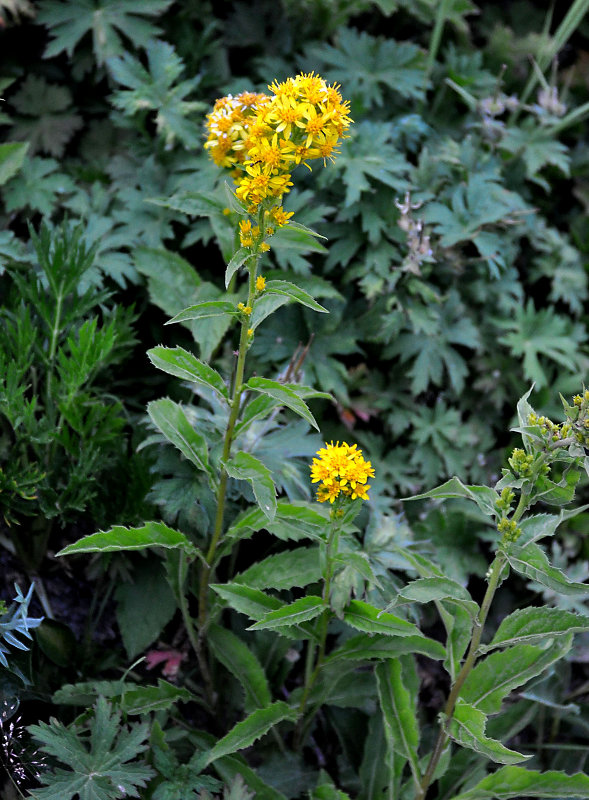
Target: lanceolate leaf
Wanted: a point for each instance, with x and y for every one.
(365, 647)
(467, 727)
(284, 570)
(237, 261)
(425, 590)
(257, 604)
(179, 362)
(483, 496)
(245, 733)
(194, 204)
(245, 467)
(367, 618)
(294, 293)
(398, 710)
(458, 623)
(144, 699)
(535, 625)
(286, 396)
(532, 562)
(170, 418)
(301, 610)
(152, 534)
(210, 308)
(499, 673)
(252, 602)
(518, 782)
(236, 656)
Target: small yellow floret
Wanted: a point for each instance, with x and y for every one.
(260, 283)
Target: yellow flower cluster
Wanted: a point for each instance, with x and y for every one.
(262, 138)
(342, 471)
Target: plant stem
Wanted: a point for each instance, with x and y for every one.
(312, 675)
(194, 639)
(469, 662)
(228, 441)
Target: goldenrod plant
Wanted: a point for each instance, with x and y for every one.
(324, 599)
(285, 625)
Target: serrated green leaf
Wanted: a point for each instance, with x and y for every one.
(152, 534)
(493, 678)
(458, 622)
(245, 733)
(302, 610)
(360, 563)
(367, 618)
(179, 362)
(518, 782)
(366, 647)
(171, 420)
(194, 204)
(236, 656)
(535, 625)
(145, 699)
(398, 710)
(483, 496)
(252, 602)
(245, 467)
(238, 260)
(467, 728)
(284, 570)
(285, 395)
(532, 562)
(427, 590)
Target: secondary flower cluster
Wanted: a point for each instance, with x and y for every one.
(262, 138)
(342, 471)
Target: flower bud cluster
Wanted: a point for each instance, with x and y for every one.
(521, 463)
(504, 502)
(509, 529)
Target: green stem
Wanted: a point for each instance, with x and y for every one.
(228, 441)
(194, 639)
(312, 675)
(469, 662)
(436, 37)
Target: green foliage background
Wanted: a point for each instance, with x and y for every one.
(443, 311)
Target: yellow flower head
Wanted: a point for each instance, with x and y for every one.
(245, 233)
(228, 127)
(280, 216)
(260, 283)
(261, 138)
(341, 471)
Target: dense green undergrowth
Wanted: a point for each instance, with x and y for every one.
(452, 259)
